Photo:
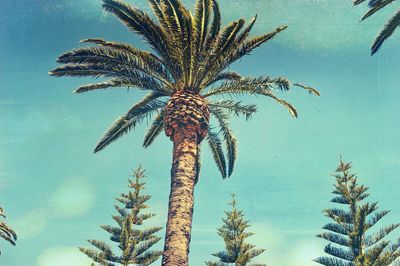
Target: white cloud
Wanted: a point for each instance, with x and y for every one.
(31, 224)
(74, 197)
(304, 253)
(63, 256)
(268, 238)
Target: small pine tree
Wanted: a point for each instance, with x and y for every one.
(237, 251)
(133, 241)
(6, 232)
(352, 242)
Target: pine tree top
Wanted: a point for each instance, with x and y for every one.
(353, 238)
(233, 232)
(133, 241)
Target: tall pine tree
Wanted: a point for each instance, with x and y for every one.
(237, 251)
(133, 241)
(354, 241)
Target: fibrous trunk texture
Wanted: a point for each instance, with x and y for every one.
(186, 109)
(185, 122)
(181, 199)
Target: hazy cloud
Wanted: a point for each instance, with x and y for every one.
(63, 256)
(305, 252)
(73, 198)
(31, 224)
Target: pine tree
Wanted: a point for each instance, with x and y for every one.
(353, 242)
(237, 251)
(133, 241)
(6, 232)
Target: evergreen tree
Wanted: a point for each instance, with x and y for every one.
(237, 251)
(133, 241)
(353, 243)
(6, 232)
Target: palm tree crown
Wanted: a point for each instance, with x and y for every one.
(388, 29)
(186, 70)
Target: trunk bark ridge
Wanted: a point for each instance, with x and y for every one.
(186, 120)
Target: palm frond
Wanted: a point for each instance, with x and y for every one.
(178, 19)
(133, 59)
(228, 75)
(155, 129)
(158, 11)
(376, 7)
(215, 26)
(386, 32)
(134, 78)
(255, 86)
(7, 233)
(311, 90)
(357, 2)
(223, 42)
(128, 121)
(226, 37)
(112, 83)
(229, 138)
(216, 148)
(235, 107)
(203, 11)
(243, 49)
(116, 45)
(140, 22)
(248, 86)
(245, 33)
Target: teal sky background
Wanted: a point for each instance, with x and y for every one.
(56, 192)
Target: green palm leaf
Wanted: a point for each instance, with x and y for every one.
(376, 8)
(236, 108)
(386, 32)
(229, 138)
(215, 26)
(135, 60)
(155, 129)
(215, 145)
(128, 121)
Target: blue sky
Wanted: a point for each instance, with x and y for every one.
(56, 191)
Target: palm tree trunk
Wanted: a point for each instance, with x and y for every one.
(181, 198)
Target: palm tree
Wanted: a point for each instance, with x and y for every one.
(187, 69)
(353, 241)
(388, 29)
(6, 232)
